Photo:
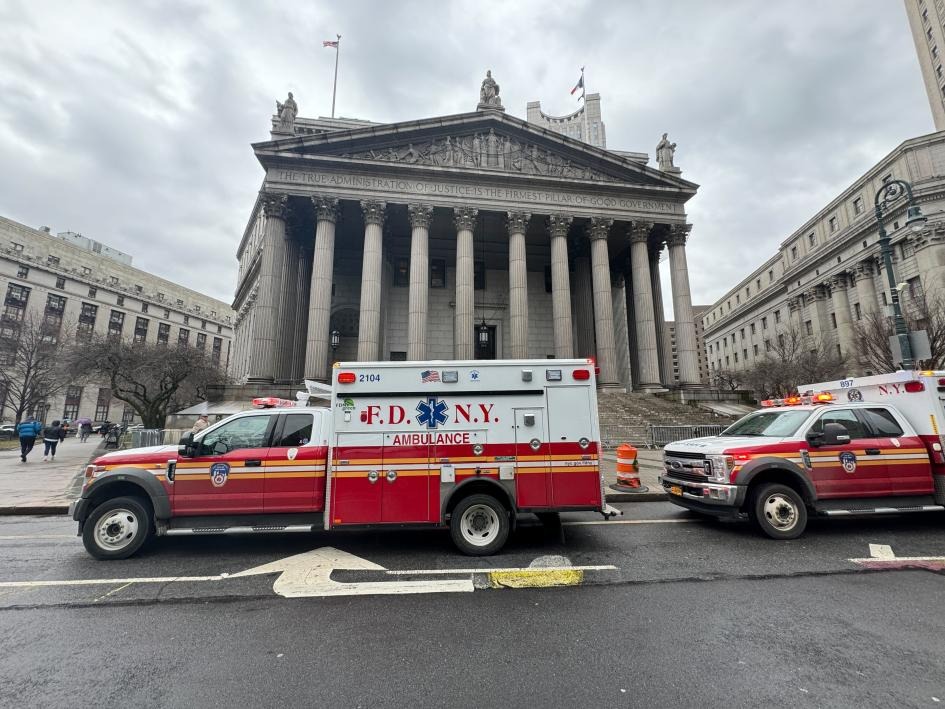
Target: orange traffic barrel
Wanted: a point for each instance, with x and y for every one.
(628, 470)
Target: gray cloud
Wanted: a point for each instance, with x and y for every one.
(132, 122)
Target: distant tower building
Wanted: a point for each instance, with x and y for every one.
(573, 125)
(926, 19)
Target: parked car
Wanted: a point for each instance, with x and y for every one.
(7, 431)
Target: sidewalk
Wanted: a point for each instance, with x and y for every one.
(36, 487)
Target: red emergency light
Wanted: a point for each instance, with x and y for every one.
(913, 387)
(346, 378)
(272, 402)
(581, 375)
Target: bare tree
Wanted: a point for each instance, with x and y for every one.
(921, 311)
(794, 358)
(729, 379)
(154, 380)
(32, 363)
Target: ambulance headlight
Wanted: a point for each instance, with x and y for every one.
(719, 467)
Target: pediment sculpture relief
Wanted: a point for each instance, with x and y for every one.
(489, 151)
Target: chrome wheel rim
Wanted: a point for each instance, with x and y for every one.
(479, 525)
(116, 529)
(780, 512)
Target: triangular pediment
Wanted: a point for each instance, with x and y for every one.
(481, 142)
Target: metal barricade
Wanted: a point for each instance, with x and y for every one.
(659, 436)
(144, 437)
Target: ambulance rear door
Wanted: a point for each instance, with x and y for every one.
(575, 475)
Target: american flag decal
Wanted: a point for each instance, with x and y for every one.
(430, 375)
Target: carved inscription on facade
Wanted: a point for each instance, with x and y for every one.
(417, 188)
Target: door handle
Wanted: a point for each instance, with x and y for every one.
(253, 463)
(872, 451)
(372, 477)
(391, 476)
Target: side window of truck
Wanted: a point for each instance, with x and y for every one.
(883, 423)
(296, 431)
(846, 418)
(246, 432)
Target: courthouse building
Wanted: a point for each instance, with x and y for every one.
(474, 235)
(72, 286)
(828, 275)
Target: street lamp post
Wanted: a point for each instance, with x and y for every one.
(890, 192)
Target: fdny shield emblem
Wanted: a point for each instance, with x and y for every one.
(848, 461)
(219, 473)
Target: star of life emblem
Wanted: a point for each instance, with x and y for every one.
(432, 412)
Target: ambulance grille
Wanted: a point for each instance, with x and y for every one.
(684, 454)
(686, 476)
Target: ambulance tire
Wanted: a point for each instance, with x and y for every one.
(479, 525)
(778, 511)
(117, 528)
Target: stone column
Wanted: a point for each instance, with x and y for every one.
(464, 344)
(686, 352)
(288, 317)
(518, 284)
(267, 325)
(930, 258)
(664, 347)
(420, 216)
(795, 306)
(603, 304)
(621, 334)
(866, 287)
(583, 305)
(303, 276)
(369, 318)
(816, 297)
(841, 311)
(643, 307)
(319, 302)
(558, 225)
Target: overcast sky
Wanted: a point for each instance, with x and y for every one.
(131, 122)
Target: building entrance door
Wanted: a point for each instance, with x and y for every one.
(487, 351)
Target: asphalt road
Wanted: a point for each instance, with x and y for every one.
(696, 613)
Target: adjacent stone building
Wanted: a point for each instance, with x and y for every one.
(697, 311)
(474, 235)
(927, 22)
(828, 274)
(72, 281)
(585, 124)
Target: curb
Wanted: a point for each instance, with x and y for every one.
(35, 510)
(636, 497)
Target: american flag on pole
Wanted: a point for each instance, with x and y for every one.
(579, 84)
(329, 43)
(429, 375)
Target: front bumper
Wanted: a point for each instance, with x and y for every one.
(715, 498)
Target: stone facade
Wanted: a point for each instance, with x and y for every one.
(66, 282)
(573, 125)
(410, 238)
(927, 22)
(671, 342)
(828, 274)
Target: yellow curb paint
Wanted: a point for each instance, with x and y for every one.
(536, 578)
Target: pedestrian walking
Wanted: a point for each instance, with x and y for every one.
(52, 435)
(28, 429)
(63, 431)
(85, 430)
(201, 423)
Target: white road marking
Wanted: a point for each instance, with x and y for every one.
(881, 551)
(308, 575)
(7, 537)
(411, 572)
(627, 521)
(884, 552)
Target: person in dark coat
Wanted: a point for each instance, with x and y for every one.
(52, 435)
(27, 430)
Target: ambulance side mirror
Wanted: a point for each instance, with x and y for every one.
(186, 445)
(835, 434)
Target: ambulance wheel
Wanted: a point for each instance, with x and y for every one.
(778, 511)
(117, 528)
(479, 525)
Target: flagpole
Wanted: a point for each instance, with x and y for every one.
(587, 137)
(334, 88)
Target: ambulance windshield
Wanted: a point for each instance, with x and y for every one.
(776, 424)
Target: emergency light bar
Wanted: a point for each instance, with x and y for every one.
(823, 398)
(272, 402)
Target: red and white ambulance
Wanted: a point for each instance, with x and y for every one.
(468, 445)
(862, 446)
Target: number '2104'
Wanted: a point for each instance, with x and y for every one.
(369, 377)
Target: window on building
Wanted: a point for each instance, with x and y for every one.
(87, 315)
(398, 356)
(726, 361)
(167, 314)
(767, 345)
(160, 296)
(93, 291)
(771, 276)
(402, 272)
(86, 271)
(858, 205)
(752, 326)
(183, 336)
(833, 320)
(52, 317)
(141, 330)
(437, 273)
(915, 289)
(60, 283)
(738, 299)
(102, 403)
(203, 324)
(794, 253)
(777, 316)
(811, 239)
(747, 292)
(163, 333)
(885, 298)
(73, 399)
(781, 341)
(735, 355)
(754, 350)
(757, 284)
(113, 280)
(808, 327)
(138, 289)
(834, 225)
(857, 312)
(187, 320)
(201, 341)
(52, 260)
(180, 302)
(22, 272)
(764, 323)
(219, 329)
(216, 350)
(116, 323)
(127, 415)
